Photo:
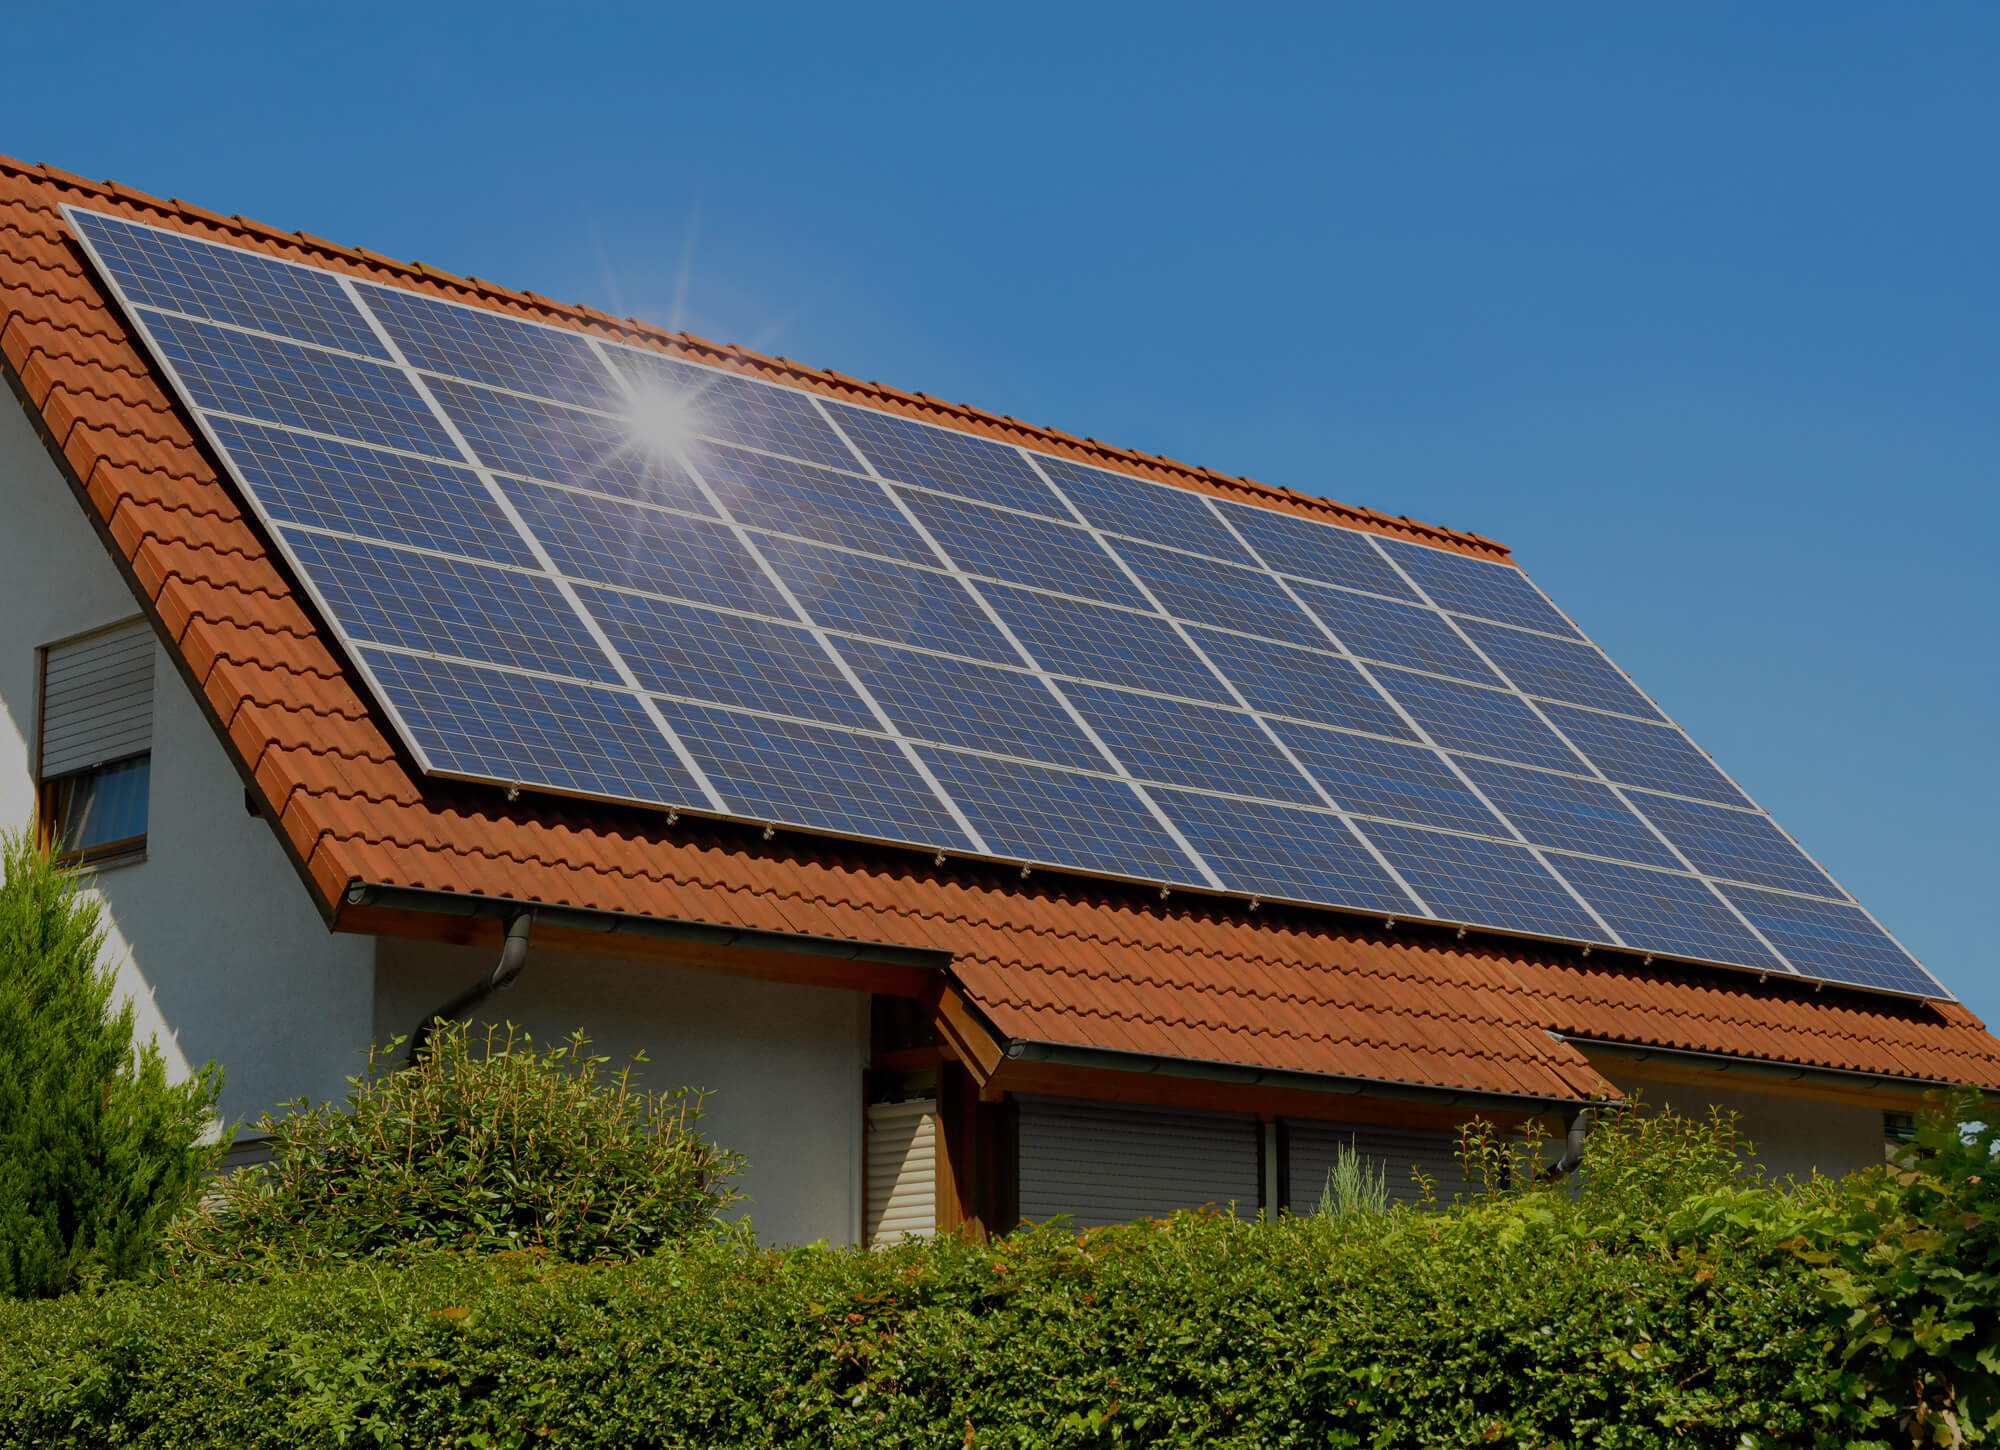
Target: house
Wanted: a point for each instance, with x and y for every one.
(898, 1037)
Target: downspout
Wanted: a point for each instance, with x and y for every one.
(513, 957)
(1572, 1154)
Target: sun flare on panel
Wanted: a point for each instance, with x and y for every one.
(662, 424)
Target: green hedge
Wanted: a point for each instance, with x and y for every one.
(1668, 1302)
(1486, 1327)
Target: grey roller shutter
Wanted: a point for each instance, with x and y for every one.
(902, 1170)
(1104, 1163)
(97, 699)
(1395, 1150)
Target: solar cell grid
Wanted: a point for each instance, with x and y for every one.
(1373, 777)
(1023, 550)
(950, 462)
(1061, 818)
(1395, 634)
(807, 502)
(1489, 589)
(684, 649)
(1486, 883)
(226, 284)
(1205, 592)
(1307, 549)
(382, 595)
(298, 387)
(1736, 845)
(732, 409)
(356, 490)
(1180, 743)
(955, 702)
(1574, 815)
(565, 445)
(407, 547)
(1278, 851)
(1305, 684)
(487, 347)
(493, 725)
(842, 591)
(610, 542)
(1658, 912)
(1088, 641)
(814, 776)
(1551, 669)
(1121, 504)
(1478, 722)
(1656, 757)
(1832, 941)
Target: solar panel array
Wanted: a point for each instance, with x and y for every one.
(571, 565)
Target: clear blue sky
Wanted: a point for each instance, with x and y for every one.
(1698, 311)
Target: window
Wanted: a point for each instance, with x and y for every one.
(95, 743)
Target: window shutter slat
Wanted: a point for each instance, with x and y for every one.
(97, 700)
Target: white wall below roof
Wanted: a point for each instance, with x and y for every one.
(213, 933)
(783, 1063)
(1794, 1137)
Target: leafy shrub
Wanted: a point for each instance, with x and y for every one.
(1665, 1299)
(486, 1143)
(97, 1149)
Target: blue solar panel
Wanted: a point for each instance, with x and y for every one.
(1307, 549)
(1371, 777)
(1656, 912)
(731, 408)
(381, 595)
(886, 601)
(493, 725)
(1657, 757)
(1478, 722)
(1395, 634)
(811, 503)
(1482, 882)
(726, 659)
(228, 284)
(1571, 814)
(1121, 504)
(610, 542)
(1736, 845)
(1060, 818)
(754, 648)
(299, 387)
(1304, 684)
(1279, 851)
(1023, 550)
(955, 702)
(563, 445)
(950, 462)
(1248, 600)
(485, 347)
(1833, 941)
(1489, 589)
(1180, 743)
(1551, 669)
(1094, 643)
(356, 490)
(813, 776)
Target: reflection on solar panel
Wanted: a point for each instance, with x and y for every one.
(808, 613)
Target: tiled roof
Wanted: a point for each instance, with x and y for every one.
(1050, 959)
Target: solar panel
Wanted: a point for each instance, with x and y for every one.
(565, 563)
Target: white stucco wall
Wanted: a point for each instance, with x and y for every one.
(1793, 1136)
(783, 1063)
(213, 932)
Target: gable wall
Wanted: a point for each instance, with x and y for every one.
(213, 932)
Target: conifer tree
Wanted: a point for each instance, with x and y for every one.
(97, 1149)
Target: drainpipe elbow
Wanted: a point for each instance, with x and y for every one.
(513, 957)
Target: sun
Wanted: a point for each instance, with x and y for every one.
(660, 423)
